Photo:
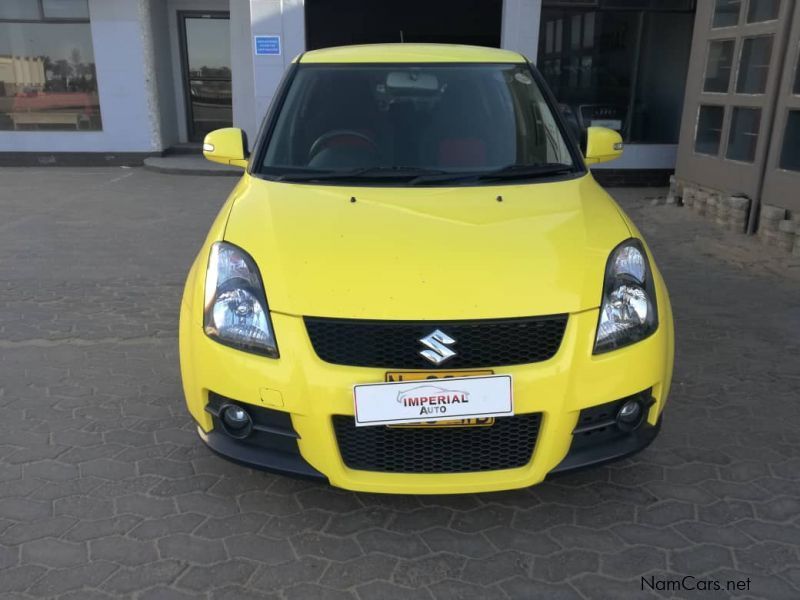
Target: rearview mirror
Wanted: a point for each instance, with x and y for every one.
(411, 82)
(227, 146)
(602, 145)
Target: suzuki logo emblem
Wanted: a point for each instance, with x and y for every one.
(437, 347)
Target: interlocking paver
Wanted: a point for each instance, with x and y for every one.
(231, 572)
(766, 557)
(633, 562)
(324, 546)
(480, 519)
(15, 509)
(421, 519)
(53, 552)
(59, 581)
(123, 550)
(666, 513)
(533, 588)
(346, 574)
(559, 566)
(287, 573)
(18, 579)
(129, 580)
(497, 567)
(259, 548)
(191, 549)
(141, 505)
(473, 545)
(22, 532)
(105, 492)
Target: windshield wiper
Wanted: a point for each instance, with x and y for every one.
(515, 171)
(362, 173)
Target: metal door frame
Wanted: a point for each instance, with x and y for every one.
(182, 15)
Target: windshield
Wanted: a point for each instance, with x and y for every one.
(406, 122)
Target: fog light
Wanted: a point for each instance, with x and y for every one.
(630, 415)
(236, 421)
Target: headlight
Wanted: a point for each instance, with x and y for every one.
(236, 311)
(628, 312)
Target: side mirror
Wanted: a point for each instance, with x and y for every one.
(602, 145)
(227, 146)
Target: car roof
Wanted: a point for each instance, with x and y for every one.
(411, 53)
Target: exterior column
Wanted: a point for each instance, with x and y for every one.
(284, 18)
(521, 27)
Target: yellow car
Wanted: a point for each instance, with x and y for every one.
(418, 287)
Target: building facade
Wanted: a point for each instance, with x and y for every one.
(739, 153)
(117, 80)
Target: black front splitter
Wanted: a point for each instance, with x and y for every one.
(257, 457)
(608, 452)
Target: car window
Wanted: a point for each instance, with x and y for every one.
(458, 118)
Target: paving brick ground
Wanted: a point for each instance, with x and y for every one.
(105, 492)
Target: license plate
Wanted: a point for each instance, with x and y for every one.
(422, 400)
(419, 375)
(479, 422)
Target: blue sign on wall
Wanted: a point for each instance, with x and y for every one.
(268, 45)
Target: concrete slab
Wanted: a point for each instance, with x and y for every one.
(187, 164)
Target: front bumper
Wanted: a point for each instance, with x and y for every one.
(312, 392)
(291, 462)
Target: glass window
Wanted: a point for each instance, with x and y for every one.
(709, 129)
(28, 10)
(763, 10)
(575, 32)
(790, 153)
(65, 9)
(47, 77)
(726, 13)
(588, 30)
(601, 81)
(754, 65)
(19, 9)
(743, 135)
(559, 34)
(453, 118)
(718, 67)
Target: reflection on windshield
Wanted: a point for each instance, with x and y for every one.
(401, 122)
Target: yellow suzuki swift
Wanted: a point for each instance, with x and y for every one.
(418, 287)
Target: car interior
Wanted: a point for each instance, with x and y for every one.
(445, 119)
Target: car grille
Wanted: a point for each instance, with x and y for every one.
(395, 344)
(507, 444)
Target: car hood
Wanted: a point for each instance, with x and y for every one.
(429, 253)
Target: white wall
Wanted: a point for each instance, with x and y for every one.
(521, 27)
(164, 73)
(123, 79)
(244, 93)
(274, 17)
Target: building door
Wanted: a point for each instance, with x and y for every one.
(344, 22)
(737, 57)
(782, 171)
(206, 57)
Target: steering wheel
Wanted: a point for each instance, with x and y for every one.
(322, 140)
